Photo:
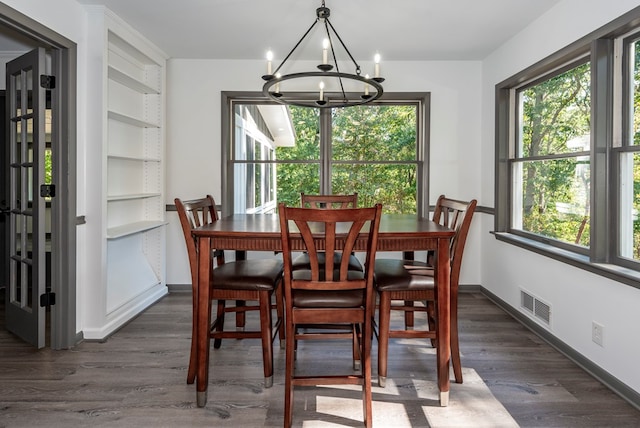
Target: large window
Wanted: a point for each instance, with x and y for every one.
(568, 160)
(277, 152)
(550, 166)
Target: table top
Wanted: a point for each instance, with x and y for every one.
(261, 232)
(268, 226)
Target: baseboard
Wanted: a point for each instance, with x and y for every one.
(469, 288)
(179, 288)
(610, 381)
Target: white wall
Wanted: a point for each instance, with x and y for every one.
(193, 135)
(577, 297)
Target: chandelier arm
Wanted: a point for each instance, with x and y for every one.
(343, 45)
(333, 53)
(295, 47)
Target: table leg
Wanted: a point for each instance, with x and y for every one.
(443, 351)
(204, 317)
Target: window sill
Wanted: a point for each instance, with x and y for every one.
(613, 272)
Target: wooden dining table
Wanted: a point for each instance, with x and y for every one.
(261, 232)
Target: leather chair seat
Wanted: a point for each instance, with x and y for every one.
(302, 261)
(261, 274)
(327, 299)
(403, 275)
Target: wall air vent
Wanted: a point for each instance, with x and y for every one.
(535, 307)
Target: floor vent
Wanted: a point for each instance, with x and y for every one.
(535, 307)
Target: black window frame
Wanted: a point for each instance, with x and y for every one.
(606, 127)
(422, 101)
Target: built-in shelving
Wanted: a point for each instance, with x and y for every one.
(132, 78)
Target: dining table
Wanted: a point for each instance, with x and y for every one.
(261, 232)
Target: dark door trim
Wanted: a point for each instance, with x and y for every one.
(63, 277)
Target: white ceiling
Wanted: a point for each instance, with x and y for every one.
(399, 29)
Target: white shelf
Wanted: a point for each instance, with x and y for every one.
(130, 82)
(132, 196)
(131, 120)
(134, 158)
(133, 228)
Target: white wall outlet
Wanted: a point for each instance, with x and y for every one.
(597, 333)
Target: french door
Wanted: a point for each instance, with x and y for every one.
(26, 109)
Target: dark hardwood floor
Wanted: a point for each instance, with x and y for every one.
(138, 378)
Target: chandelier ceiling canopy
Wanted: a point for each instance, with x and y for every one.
(333, 88)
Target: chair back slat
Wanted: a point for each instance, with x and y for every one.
(330, 231)
(456, 215)
(328, 202)
(192, 214)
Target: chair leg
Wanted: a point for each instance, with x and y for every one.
(455, 344)
(280, 313)
(289, 372)
(357, 351)
(383, 337)
(408, 316)
(191, 372)
(267, 343)
(240, 315)
(365, 355)
(431, 319)
(219, 323)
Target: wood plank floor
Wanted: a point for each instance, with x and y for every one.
(137, 379)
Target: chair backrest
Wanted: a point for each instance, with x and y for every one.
(328, 202)
(456, 215)
(192, 214)
(330, 231)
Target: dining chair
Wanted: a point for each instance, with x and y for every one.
(327, 202)
(329, 294)
(413, 281)
(240, 281)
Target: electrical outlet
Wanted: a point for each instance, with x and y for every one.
(597, 333)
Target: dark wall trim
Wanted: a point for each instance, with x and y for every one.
(613, 383)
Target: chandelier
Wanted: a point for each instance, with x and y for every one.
(333, 88)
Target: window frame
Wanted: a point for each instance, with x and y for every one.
(421, 100)
(606, 128)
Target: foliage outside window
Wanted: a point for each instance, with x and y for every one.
(629, 158)
(371, 149)
(551, 169)
(568, 154)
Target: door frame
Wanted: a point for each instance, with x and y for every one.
(63, 327)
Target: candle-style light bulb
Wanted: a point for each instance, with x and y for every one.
(366, 85)
(269, 59)
(277, 86)
(321, 90)
(376, 67)
(325, 47)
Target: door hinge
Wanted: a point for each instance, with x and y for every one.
(47, 82)
(47, 190)
(47, 299)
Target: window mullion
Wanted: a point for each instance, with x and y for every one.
(602, 206)
(325, 150)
